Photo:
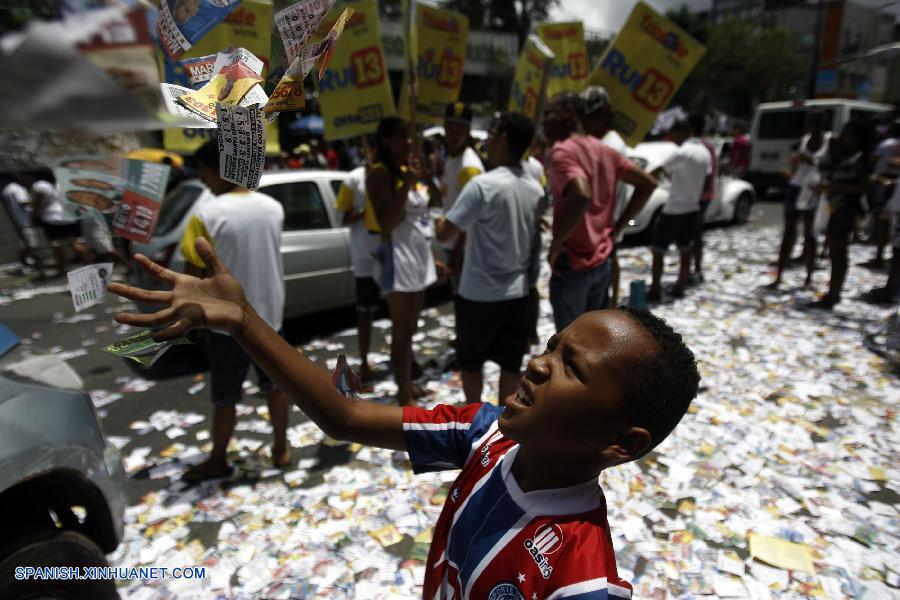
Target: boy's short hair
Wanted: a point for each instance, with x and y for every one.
(519, 132)
(658, 391)
(208, 154)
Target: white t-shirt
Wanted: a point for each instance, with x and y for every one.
(52, 212)
(363, 244)
(615, 141)
(245, 230)
(498, 212)
(16, 199)
(534, 167)
(806, 172)
(884, 152)
(458, 170)
(687, 167)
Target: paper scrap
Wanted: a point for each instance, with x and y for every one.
(781, 553)
(88, 284)
(141, 347)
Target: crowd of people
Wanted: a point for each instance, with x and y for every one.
(40, 219)
(610, 386)
(834, 181)
(605, 370)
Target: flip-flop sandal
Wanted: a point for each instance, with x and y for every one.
(194, 475)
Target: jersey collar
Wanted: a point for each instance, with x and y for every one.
(579, 498)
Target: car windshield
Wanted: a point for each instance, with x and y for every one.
(175, 206)
(789, 124)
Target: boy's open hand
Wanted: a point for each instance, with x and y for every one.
(217, 302)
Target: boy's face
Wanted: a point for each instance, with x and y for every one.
(569, 400)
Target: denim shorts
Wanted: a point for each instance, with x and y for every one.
(573, 293)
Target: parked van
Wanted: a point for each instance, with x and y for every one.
(778, 126)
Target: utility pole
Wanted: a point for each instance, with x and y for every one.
(817, 43)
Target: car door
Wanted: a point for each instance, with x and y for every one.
(315, 252)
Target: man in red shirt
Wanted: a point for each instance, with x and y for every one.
(583, 175)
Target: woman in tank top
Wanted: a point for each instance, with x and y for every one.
(849, 179)
(801, 196)
(405, 257)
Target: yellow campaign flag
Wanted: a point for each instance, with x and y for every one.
(249, 26)
(643, 68)
(355, 91)
(527, 85)
(441, 39)
(569, 70)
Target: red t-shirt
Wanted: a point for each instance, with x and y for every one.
(586, 156)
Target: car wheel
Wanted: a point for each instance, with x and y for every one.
(55, 549)
(742, 207)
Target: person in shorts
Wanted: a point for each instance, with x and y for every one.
(245, 229)
(365, 237)
(687, 168)
(498, 213)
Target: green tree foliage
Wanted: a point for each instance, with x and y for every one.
(744, 64)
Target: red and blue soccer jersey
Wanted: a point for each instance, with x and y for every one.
(495, 541)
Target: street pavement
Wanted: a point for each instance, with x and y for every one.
(781, 386)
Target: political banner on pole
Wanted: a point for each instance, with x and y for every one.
(355, 91)
(249, 26)
(527, 85)
(441, 37)
(570, 68)
(643, 68)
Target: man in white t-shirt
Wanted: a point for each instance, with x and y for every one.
(365, 236)
(460, 166)
(244, 227)
(61, 229)
(498, 212)
(17, 203)
(687, 169)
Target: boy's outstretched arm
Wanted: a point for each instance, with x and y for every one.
(218, 302)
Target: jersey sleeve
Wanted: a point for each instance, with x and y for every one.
(467, 208)
(442, 438)
(344, 200)
(465, 175)
(195, 229)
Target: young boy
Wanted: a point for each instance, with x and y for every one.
(525, 519)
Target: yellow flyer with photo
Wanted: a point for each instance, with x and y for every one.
(441, 39)
(248, 26)
(535, 59)
(355, 91)
(643, 68)
(570, 68)
(229, 87)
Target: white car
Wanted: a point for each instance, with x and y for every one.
(734, 197)
(314, 245)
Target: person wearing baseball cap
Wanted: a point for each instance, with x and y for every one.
(598, 123)
(461, 165)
